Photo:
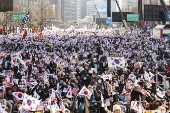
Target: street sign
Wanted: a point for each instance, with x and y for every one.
(132, 17)
(17, 16)
(23, 11)
(109, 21)
(12, 21)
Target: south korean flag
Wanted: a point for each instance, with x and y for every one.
(116, 62)
(26, 19)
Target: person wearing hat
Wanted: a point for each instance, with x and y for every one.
(115, 82)
(116, 109)
(94, 63)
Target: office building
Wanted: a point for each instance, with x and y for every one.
(83, 8)
(128, 5)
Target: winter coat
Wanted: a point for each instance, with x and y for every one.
(136, 95)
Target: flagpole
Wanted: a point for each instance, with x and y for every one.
(28, 5)
(28, 12)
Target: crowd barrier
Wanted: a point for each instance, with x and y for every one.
(163, 75)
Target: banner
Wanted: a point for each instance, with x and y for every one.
(152, 111)
(34, 30)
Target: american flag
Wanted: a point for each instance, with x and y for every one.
(124, 91)
(75, 91)
(26, 19)
(25, 111)
(71, 75)
(144, 92)
(30, 84)
(107, 102)
(151, 78)
(40, 107)
(57, 69)
(62, 107)
(57, 60)
(1, 93)
(47, 59)
(60, 98)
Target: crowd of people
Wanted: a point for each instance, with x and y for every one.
(69, 73)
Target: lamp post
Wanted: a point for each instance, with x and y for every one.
(28, 5)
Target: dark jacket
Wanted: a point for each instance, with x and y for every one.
(136, 95)
(86, 82)
(9, 96)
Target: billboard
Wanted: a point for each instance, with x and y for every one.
(109, 21)
(154, 13)
(116, 16)
(102, 9)
(100, 21)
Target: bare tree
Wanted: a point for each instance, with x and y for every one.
(41, 13)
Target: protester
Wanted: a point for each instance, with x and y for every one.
(116, 109)
(83, 71)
